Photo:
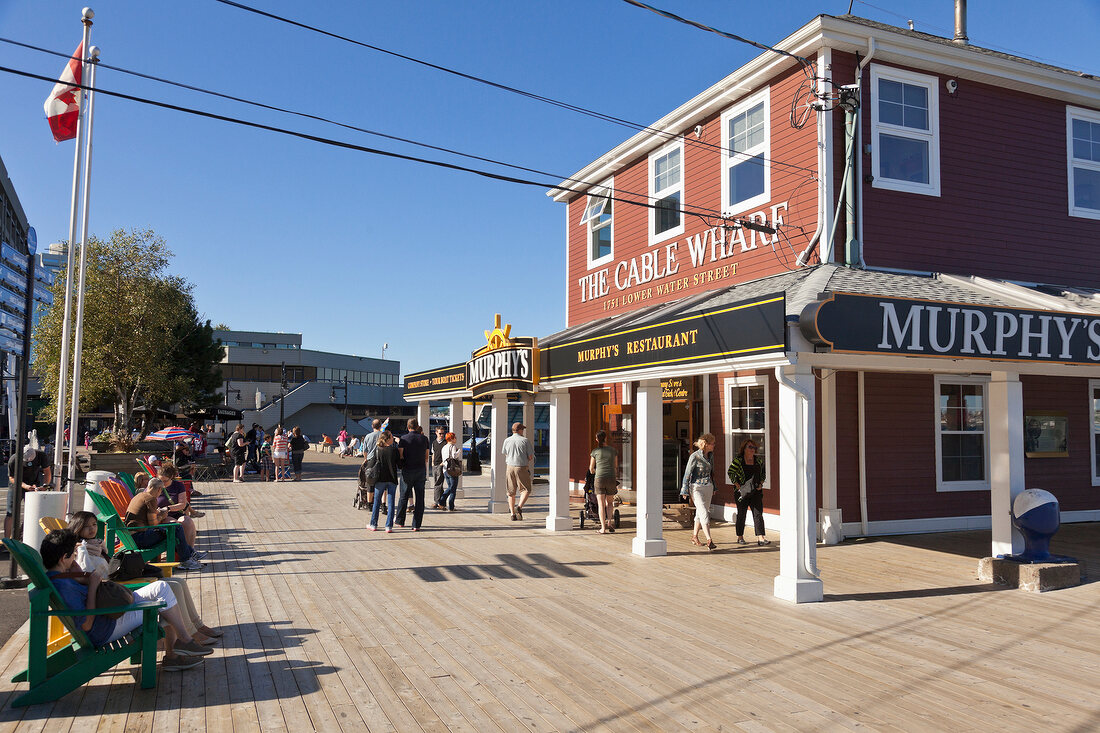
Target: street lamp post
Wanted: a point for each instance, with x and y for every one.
(332, 397)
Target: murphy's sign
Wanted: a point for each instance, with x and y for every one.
(504, 364)
(866, 324)
(747, 328)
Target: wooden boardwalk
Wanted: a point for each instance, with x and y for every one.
(481, 624)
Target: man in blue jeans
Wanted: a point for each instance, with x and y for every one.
(415, 450)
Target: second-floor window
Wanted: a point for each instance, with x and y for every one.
(746, 179)
(598, 218)
(666, 191)
(905, 131)
(1083, 139)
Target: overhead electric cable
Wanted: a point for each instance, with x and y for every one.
(514, 90)
(692, 211)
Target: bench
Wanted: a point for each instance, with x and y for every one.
(52, 675)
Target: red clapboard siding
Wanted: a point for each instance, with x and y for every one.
(1069, 479)
(794, 156)
(847, 445)
(1003, 205)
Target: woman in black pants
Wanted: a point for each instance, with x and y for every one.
(746, 473)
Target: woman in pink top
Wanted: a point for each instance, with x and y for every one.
(280, 453)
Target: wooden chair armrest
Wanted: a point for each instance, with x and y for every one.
(167, 568)
(142, 606)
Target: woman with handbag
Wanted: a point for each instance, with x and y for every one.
(385, 485)
(452, 469)
(747, 475)
(699, 484)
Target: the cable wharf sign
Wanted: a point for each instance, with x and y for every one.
(504, 364)
(865, 324)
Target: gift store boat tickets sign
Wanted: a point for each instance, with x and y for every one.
(747, 328)
(867, 324)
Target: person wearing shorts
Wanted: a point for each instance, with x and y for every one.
(602, 464)
(518, 455)
(280, 453)
(239, 448)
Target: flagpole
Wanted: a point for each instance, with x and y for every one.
(66, 326)
(78, 341)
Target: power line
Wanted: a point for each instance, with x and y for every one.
(514, 90)
(686, 209)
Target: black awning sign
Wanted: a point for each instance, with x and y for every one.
(866, 324)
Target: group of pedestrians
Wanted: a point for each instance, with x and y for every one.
(280, 457)
(745, 474)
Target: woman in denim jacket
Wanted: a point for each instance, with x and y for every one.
(699, 485)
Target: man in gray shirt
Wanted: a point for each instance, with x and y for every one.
(518, 455)
(371, 441)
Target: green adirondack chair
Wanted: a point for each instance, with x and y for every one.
(51, 676)
(115, 530)
(128, 479)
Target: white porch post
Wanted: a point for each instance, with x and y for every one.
(558, 520)
(831, 528)
(1006, 458)
(424, 415)
(797, 580)
(649, 542)
(456, 428)
(498, 501)
(528, 418)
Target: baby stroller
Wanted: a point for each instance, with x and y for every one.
(591, 509)
(364, 494)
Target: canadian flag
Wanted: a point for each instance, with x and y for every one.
(63, 104)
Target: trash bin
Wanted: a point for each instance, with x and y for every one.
(38, 504)
(91, 483)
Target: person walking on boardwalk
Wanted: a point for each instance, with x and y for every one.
(298, 447)
(415, 450)
(603, 465)
(238, 446)
(518, 456)
(342, 439)
(452, 459)
(747, 475)
(385, 455)
(699, 485)
(437, 465)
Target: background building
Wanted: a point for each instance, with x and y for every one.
(266, 374)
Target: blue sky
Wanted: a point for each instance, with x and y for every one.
(354, 250)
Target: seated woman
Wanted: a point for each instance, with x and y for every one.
(58, 551)
(85, 526)
(143, 512)
(174, 499)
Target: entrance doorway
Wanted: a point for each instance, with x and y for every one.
(682, 410)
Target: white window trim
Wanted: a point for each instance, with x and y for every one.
(728, 385)
(932, 136)
(655, 195)
(608, 187)
(942, 485)
(728, 207)
(1094, 384)
(1092, 116)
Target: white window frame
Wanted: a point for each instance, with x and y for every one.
(1094, 384)
(603, 190)
(931, 136)
(942, 485)
(1089, 115)
(655, 195)
(728, 385)
(729, 157)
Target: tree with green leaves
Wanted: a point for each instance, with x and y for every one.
(144, 342)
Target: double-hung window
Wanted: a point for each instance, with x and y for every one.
(1083, 139)
(746, 175)
(905, 131)
(747, 408)
(962, 435)
(666, 192)
(598, 219)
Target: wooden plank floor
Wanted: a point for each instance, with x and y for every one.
(481, 624)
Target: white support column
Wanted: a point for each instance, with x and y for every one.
(498, 501)
(456, 428)
(558, 520)
(1006, 458)
(831, 527)
(649, 541)
(797, 580)
(424, 416)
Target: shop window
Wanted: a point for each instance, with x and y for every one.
(747, 417)
(962, 435)
(746, 180)
(905, 131)
(1094, 408)
(598, 219)
(1083, 142)
(666, 193)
